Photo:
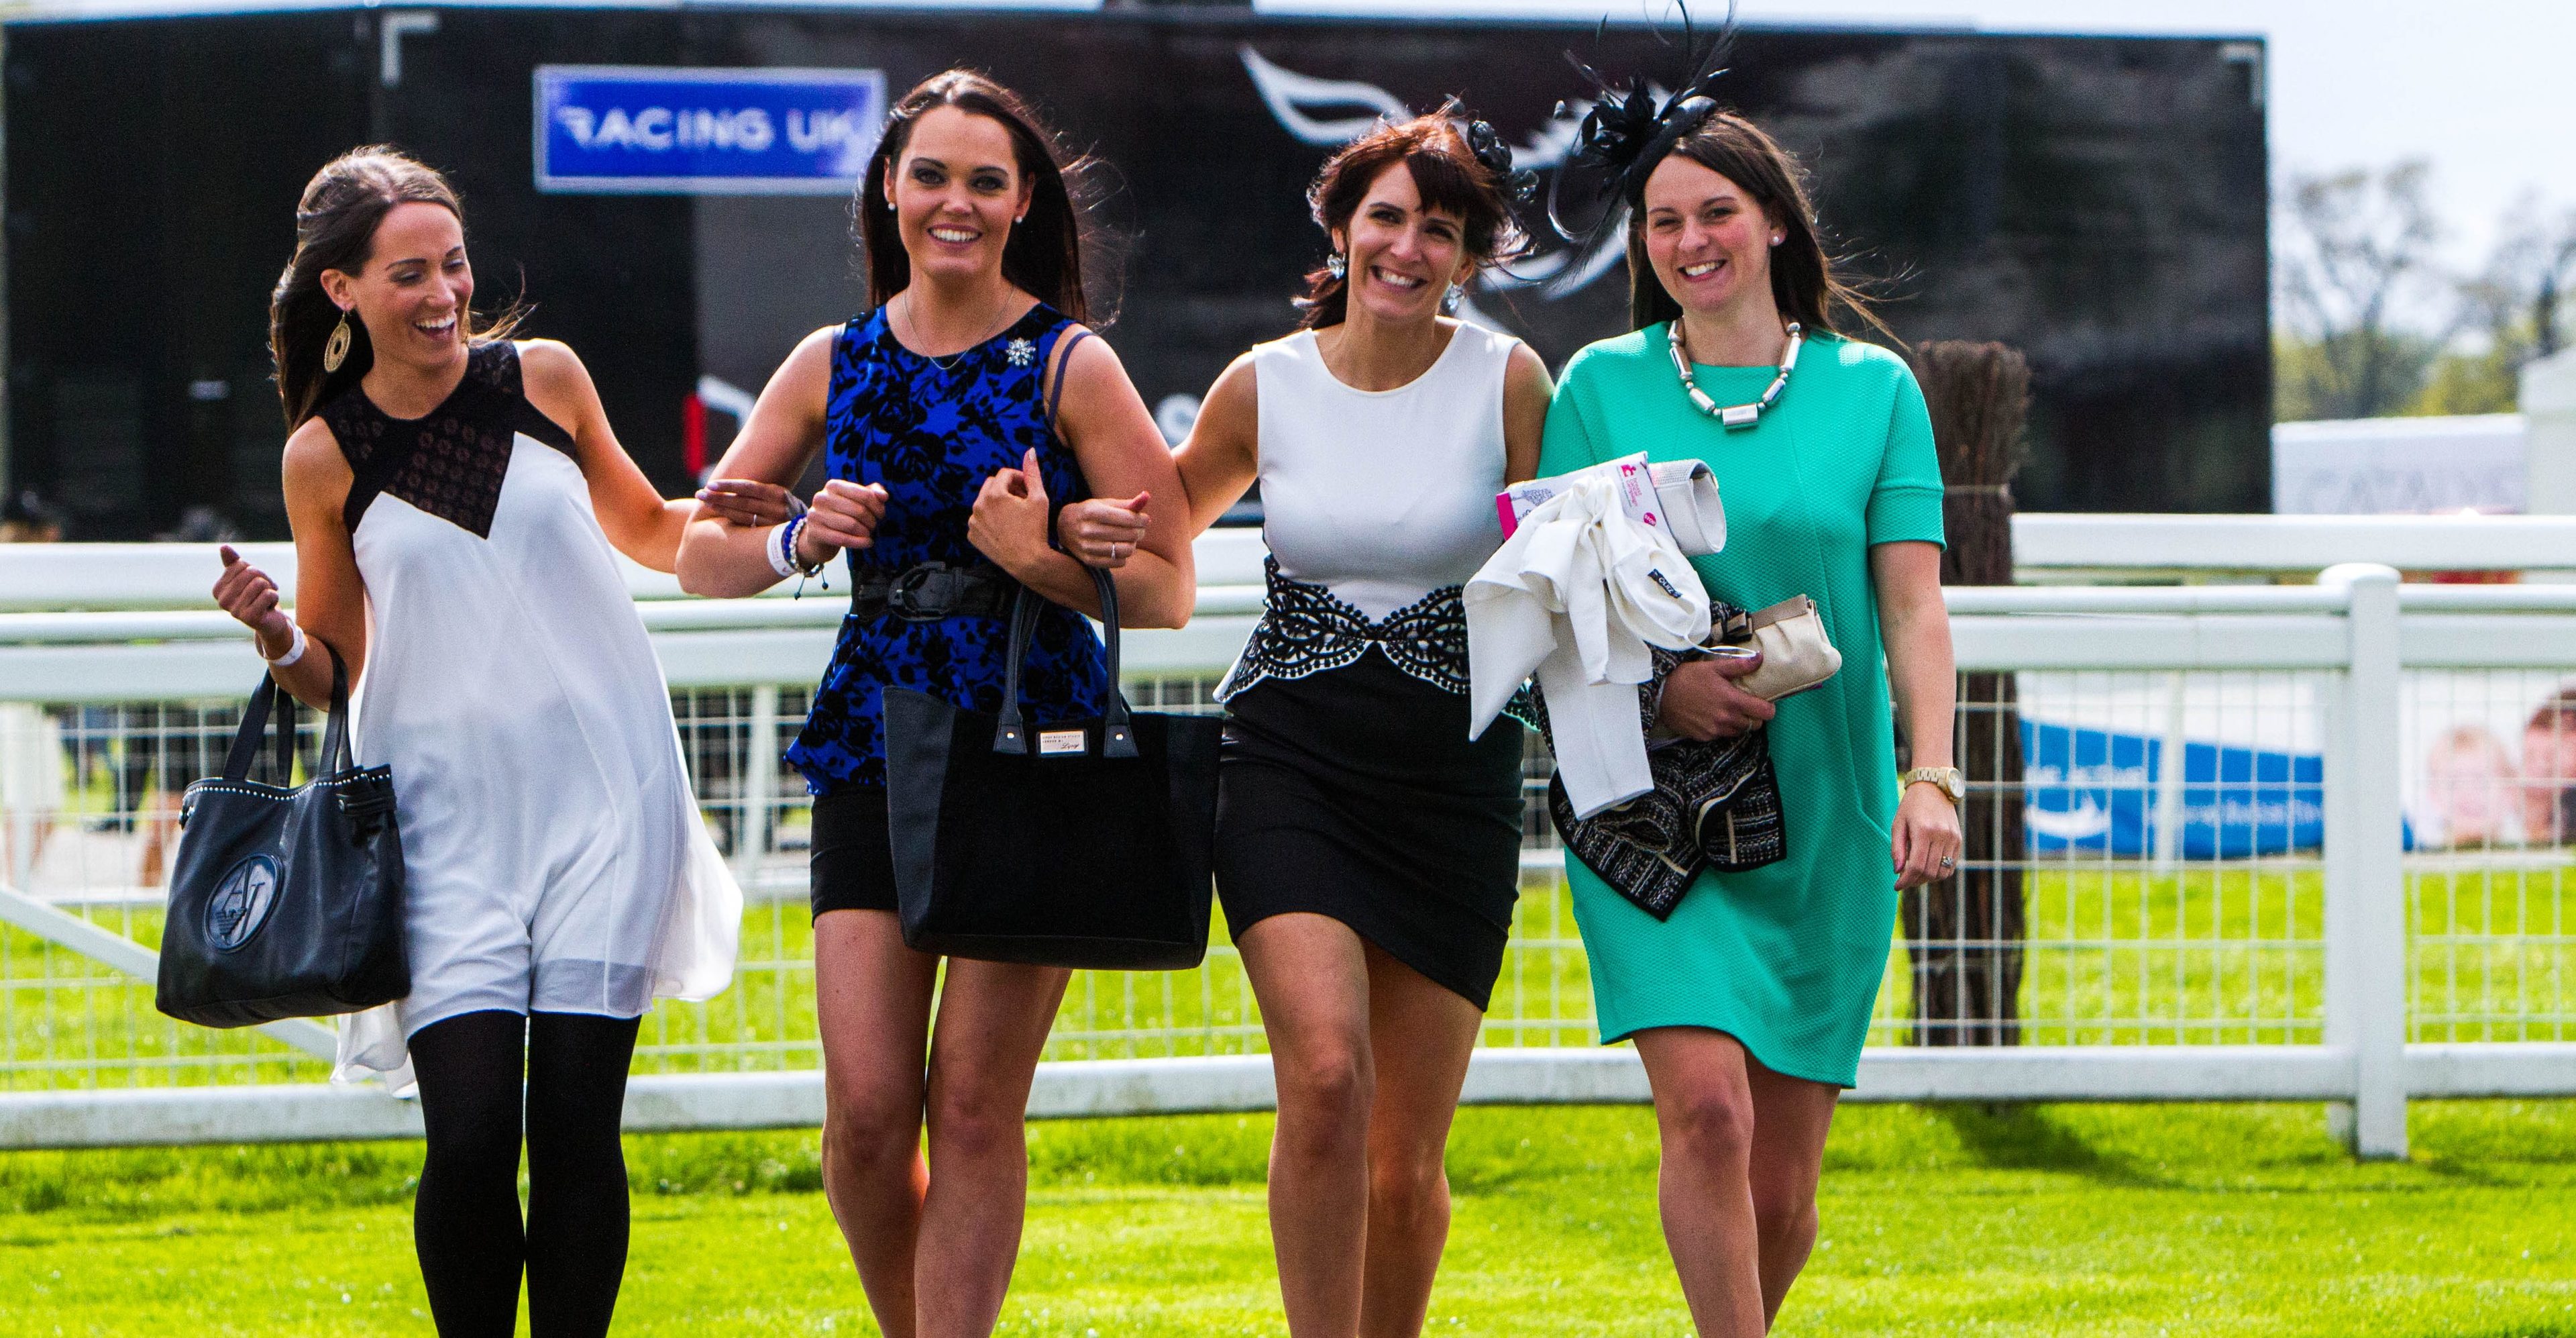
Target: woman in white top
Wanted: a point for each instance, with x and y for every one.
(1367, 853)
(458, 502)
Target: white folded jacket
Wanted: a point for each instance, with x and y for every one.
(1677, 494)
(1574, 597)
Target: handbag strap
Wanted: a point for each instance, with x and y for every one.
(254, 722)
(1118, 730)
(265, 699)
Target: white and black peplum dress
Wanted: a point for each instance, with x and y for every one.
(1348, 786)
(553, 851)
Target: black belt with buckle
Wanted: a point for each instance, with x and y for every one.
(930, 591)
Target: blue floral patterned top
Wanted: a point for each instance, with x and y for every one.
(930, 433)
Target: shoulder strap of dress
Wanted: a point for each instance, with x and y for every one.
(1063, 361)
(500, 369)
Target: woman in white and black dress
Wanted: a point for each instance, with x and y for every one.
(458, 504)
(1368, 853)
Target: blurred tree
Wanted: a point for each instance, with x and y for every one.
(2355, 248)
(2511, 311)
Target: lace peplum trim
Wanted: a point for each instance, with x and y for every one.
(1307, 629)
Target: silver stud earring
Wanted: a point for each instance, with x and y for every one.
(1336, 266)
(1451, 300)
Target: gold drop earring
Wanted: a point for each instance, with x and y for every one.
(337, 350)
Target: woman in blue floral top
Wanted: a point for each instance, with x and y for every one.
(952, 418)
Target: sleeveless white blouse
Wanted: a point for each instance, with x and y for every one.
(1382, 496)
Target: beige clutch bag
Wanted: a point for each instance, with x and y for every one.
(1796, 655)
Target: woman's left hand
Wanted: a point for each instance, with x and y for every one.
(1009, 523)
(748, 503)
(1927, 836)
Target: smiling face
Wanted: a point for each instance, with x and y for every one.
(1402, 257)
(413, 291)
(1709, 241)
(956, 190)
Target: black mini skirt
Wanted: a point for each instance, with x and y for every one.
(1354, 793)
(851, 860)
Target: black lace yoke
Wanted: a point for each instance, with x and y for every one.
(1307, 629)
(449, 462)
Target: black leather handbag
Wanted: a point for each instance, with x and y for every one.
(1084, 843)
(285, 902)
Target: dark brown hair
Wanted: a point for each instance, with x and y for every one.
(335, 229)
(1445, 172)
(1043, 256)
(1803, 282)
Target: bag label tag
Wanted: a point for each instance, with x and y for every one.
(1059, 742)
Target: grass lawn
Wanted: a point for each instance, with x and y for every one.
(2040, 1220)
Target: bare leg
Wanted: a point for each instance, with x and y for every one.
(872, 998)
(1311, 975)
(1704, 1113)
(1790, 1118)
(993, 1022)
(1420, 1036)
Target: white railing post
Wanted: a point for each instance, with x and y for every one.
(2365, 908)
(757, 825)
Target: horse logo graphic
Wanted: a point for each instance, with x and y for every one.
(241, 903)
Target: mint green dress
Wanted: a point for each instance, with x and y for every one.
(1786, 958)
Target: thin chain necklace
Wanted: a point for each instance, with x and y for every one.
(1733, 415)
(949, 363)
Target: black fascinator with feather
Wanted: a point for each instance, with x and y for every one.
(1629, 130)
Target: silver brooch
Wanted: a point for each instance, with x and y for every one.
(1021, 352)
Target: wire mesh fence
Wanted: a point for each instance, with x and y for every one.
(2143, 869)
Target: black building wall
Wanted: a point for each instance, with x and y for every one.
(2099, 202)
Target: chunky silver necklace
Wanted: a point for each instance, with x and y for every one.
(1733, 415)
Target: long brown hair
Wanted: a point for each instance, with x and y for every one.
(1446, 174)
(335, 229)
(1803, 281)
(1043, 256)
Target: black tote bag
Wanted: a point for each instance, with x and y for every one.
(1085, 843)
(285, 902)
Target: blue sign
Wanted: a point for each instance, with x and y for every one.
(2091, 789)
(643, 129)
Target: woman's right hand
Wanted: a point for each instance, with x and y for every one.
(1701, 700)
(1103, 532)
(844, 515)
(246, 592)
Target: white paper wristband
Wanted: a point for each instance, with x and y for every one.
(780, 560)
(294, 649)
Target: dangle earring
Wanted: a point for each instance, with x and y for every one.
(1336, 266)
(1451, 300)
(336, 351)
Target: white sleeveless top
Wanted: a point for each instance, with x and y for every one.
(1382, 496)
(552, 847)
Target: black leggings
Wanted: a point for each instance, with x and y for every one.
(466, 1222)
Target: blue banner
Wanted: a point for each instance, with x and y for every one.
(654, 130)
(2091, 789)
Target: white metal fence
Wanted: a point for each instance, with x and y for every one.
(2300, 842)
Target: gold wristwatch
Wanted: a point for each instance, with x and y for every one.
(1950, 780)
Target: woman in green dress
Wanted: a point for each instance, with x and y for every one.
(1750, 1004)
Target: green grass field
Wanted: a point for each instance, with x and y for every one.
(2031, 1220)
(2115, 956)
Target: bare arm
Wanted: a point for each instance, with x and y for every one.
(1922, 675)
(1122, 456)
(1216, 465)
(631, 511)
(330, 597)
(720, 556)
(1526, 394)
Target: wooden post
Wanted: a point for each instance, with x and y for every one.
(1965, 934)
